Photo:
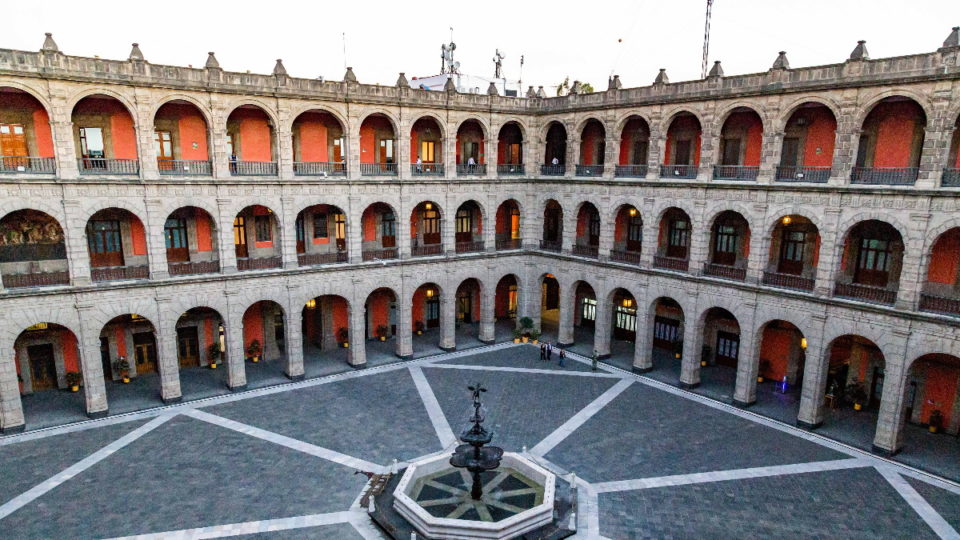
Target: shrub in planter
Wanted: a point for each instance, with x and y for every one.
(526, 323)
(74, 378)
(343, 337)
(122, 367)
(419, 327)
(213, 355)
(382, 332)
(935, 421)
(857, 392)
(254, 350)
(535, 336)
(516, 335)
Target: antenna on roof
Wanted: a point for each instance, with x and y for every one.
(344, 36)
(706, 40)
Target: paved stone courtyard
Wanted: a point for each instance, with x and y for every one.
(281, 461)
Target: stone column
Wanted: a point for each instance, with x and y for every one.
(651, 234)
(568, 301)
(225, 246)
(403, 153)
(288, 232)
(168, 365)
(846, 140)
(285, 139)
(403, 217)
(888, 439)
(700, 237)
(354, 230)
(490, 155)
(656, 148)
(611, 154)
(569, 233)
(608, 223)
(770, 146)
(643, 350)
(404, 335)
(75, 240)
(815, 369)
(692, 343)
(709, 149)
(447, 229)
(357, 355)
(88, 346)
(487, 314)
(294, 335)
(146, 134)
(748, 366)
(828, 265)
(449, 152)
(219, 156)
(11, 408)
(757, 258)
(489, 220)
(352, 141)
(572, 155)
(602, 327)
(911, 275)
(448, 319)
(65, 146)
(156, 243)
(529, 296)
(236, 353)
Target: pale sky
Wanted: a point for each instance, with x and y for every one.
(558, 39)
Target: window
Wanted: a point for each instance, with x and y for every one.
(163, 142)
(427, 151)
(239, 231)
(513, 154)
(301, 234)
(470, 150)
(320, 226)
(175, 233)
(594, 225)
(340, 224)
(103, 236)
(635, 229)
(666, 330)
(793, 243)
(13, 141)
(338, 150)
(728, 346)
(231, 147)
(464, 221)
(514, 223)
(588, 310)
(388, 225)
(512, 301)
(874, 255)
(91, 142)
(731, 152)
(386, 150)
(626, 319)
(679, 233)
(264, 228)
(726, 239)
(431, 222)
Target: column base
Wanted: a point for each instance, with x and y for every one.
(687, 386)
(404, 356)
(98, 414)
(295, 377)
(448, 349)
(880, 451)
(603, 357)
(565, 345)
(19, 428)
(808, 426)
(744, 404)
(358, 366)
(238, 388)
(642, 370)
(487, 341)
(290, 265)
(160, 274)
(169, 401)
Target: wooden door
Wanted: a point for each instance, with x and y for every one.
(106, 247)
(145, 352)
(681, 154)
(728, 349)
(188, 346)
(464, 308)
(725, 245)
(175, 233)
(163, 143)
(13, 146)
(791, 152)
(791, 252)
(873, 263)
(431, 227)
(43, 367)
(433, 313)
(240, 238)
(666, 332)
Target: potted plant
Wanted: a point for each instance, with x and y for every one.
(418, 327)
(936, 421)
(74, 378)
(526, 326)
(535, 336)
(764, 368)
(254, 350)
(343, 336)
(516, 335)
(678, 350)
(382, 332)
(122, 367)
(213, 354)
(857, 392)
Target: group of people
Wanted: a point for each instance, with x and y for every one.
(546, 353)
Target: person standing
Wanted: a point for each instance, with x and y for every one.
(563, 356)
(593, 361)
(549, 352)
(543, 351)
(419, 165)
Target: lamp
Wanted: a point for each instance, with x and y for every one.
(429, 293)
(428, 206)
(627, 302)
(633, 212)
(311, 303)
(786, 220)
(803, 343)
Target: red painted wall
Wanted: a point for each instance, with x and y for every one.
(368, 136)
(895, 126)
(254, 136)
(592, 134)
(940, 391)
(204, 232)
(41, 121)
(620, 226)
(471, 133)
(501, 306)
(313, 138)
(341, 318)
(416, 312)
(124, 137)
(378, 308)
(775, 348)
(121, 341)
(193, 129)
(253, 326)
(208, 333)
(369, 224)
(138, 237)
(684, 123)
(751, 122)
(821, 134)
(945, 258)
(71, 360)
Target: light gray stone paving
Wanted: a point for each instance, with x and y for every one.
(947, 504)
(304, 526)
(919, 504)
(522, 356)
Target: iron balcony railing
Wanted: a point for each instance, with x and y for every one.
(190, 268)
(469, 247)
(379, 254)
(37, 279)
(928, 302)
(551, 245)
(378, 169)
(817, 175)
(788, 281)
(477, 169)
(426, 169)
(630, 171)
(877, 295)
(670, 263)
(259, 263)
(586, 251)
(510, 169)
(553, 170)
(683, 172)
(725, 272)
(108, 166)
(253, 168)
(426, 250)
(885, 176)
(319, 168)
(629, 257)
(589, 170)
(29, 165)
(184, 167)
(314, 259)
(119, 272)
(735, 172)
(950, 178)
(509, 243)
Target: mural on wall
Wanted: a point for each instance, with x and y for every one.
(30, 235)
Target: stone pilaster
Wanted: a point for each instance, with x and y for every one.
(911, 275)
(288, 231)
(846, 140)
(815, 369)
(603, 327)
(568, 306)
(168, 363)
(236, 352)
(75, 239)
(11, 408)
(748, 365)
(156, 243)
(888, 439)
(404, 335)
(448, 319)
(146, 134)
(354, 230)
(88, 345)
(292, 316)
(692, 343)
(226, 250)
(487, 314)
(358, 342)
(831, 248)
(284, 138)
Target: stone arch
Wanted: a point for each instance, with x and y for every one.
(661, 209)
(792, 210)
(843, 228)
(867, 107)
(267, 110)
(670, 115)
(621, 121)
(129, 105)
(521, 125)
(314, 107)
(32, 92)
(484, 127)
(789, 109)
(545, 128)
(586, 120)
(736, 208)
(119, 203)
(724, 113)
(394, 121)
(16, 204)
(177, 96)
(441, 125)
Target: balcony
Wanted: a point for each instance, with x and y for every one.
(788, 281)
(426, 169)
(551, 245)
(510, 243)
(682, 172)
(109, 166)
(670, 263)
(37, 279)
(378, 169)
(629, 257)
(27, 165)
(314, 259)
(813, 175)
(630, 171)
(874, 295)
(586, 251)
(885, 176)
(379, 254)
(253, 168)
(116, 273)
(259, 263)
(725, 272)
(928, 302)
(184, 167)
(427, 250)
(510, 169)
(469, 247)
(191, 268)
(735, 172)
(553, 170)
(319, 168)
(950, 178)
(477, 169)
(589, 170)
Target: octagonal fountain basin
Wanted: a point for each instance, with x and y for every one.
(435, 498)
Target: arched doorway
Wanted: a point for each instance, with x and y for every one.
(202, 353)
(181, 140)
(321, 235)
(105, 137)
(256, 239)
(806, 154)
(720, 353)
(549, 308)
(552, 239)
(729, 247)
(505, 306)
(634, 147)
(383, 327)
(325, 327)
(250, 142)
(681, 157)
(510, 150)
(555, 151)
(26, 140)
(379, 224)
(853, 390)
(319, 145)
(870, 263)
(47, 358)
(131, 362)
(585, 317)
(592, 149)
(468, 313)
(378, 151)
(587, 242)
(426, 314)
(471, 149)
(891, 141)
(468, 228)
(426, 223)
(741, 140)
(674, 238)
(782, 360)
(190, 238)
(793, 255)
(264, 343)
(508, 235)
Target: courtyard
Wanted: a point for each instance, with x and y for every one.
(280, 460)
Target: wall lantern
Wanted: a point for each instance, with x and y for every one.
(633, 212)
(311, 303)
(428, 206)
(803, 343)
(787, 220)
(429, 293)
(627, 302)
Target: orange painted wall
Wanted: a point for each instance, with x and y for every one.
(754, 142)
(941, 389)
(253, 326)
(138, 237)
(369, 224)
(368, 138)
(341, 318)
(592, 134)
(821, 134)
(204, 232)
(121, 341)
(502, 225)
(378, 308)
(208, 333)
(254, 137)
(417, 309)
(620, 227)
(501, 306)
(123, 135)
(41, 121)
(193, 129)
(71, 360)
(775, 348)
(414, 145)
(582, 218)
(894, 133)
(945, 258)
(313, 139)
(684, 123)
(471, 133)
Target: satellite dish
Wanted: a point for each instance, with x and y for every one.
(453, 46)
(456, 65)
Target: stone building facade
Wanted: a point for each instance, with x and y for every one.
(686, 228)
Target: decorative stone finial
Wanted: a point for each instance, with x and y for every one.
(781, 62)
(953, 40)
(662, 77)
(211, 62)
(531, 93)
(716, 71)
(135, 54)
(492, 89)
(402, 81)
(575, 89)
(540, 92)
(279, 70)
(860, 51)
(449, 86)
(49, 45)
(614, 83)
(349, 76)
